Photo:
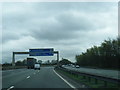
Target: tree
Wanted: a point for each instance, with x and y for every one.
(105, 56)
(19, 63)
(64, 61)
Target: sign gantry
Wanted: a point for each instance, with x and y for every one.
(37, 52)
(41, 52)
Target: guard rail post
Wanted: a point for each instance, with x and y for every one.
(96, 78)
(89, 78)
(84, 77)
(96, 81)
(105, 83)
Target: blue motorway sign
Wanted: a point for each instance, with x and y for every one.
(41, 52)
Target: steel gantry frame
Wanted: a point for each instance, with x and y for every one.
(14, 53)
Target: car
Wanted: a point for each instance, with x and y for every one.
(77, 66)
(73, 66)
(37, 66)
(63, 65)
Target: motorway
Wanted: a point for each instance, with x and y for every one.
(30, 78)
(46, 77)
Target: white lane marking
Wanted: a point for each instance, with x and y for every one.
(38, 71)
(10, 87)
(28, 77)
(65, 80)
(34, 73)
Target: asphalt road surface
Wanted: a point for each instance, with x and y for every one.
(30, 78)
(101, 72)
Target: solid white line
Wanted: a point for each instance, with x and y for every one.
(10, 87)
(28, 77)
(65, 80)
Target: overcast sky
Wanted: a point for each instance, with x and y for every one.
(69, 28)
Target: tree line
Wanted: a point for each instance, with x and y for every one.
(18, 63)
(65, 61)
(107, 55)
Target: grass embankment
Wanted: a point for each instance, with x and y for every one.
(91, 83)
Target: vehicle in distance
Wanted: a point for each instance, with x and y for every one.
(63, 65)
(37, 66)
(77, 66)
(30, 63)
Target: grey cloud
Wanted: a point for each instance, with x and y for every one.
(70, 22)
(82, 6)
(68, 27)
(9, 35)
(65, 27)
(67, 24)
(41, 10)
(12, 35)
(53, 35)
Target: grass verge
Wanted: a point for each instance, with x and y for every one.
(89, 82)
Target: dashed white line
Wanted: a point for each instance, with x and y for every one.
(65, 80)
(28, 77)
(10, 87)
